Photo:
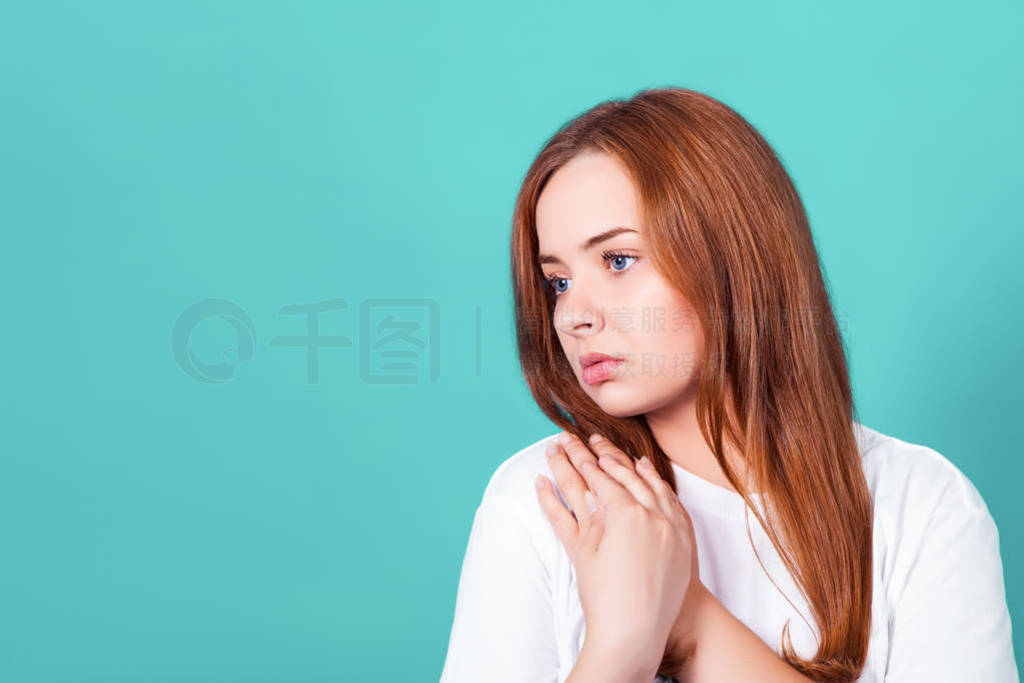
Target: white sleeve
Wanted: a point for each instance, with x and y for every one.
(503, 629)
(950, 620)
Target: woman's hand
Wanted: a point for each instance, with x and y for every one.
(633, 552)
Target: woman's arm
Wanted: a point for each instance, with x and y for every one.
(949, 619)
(601, 665)
(727, 650)
(503, 627)
(724, 649)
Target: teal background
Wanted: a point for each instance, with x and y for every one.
(156, 527)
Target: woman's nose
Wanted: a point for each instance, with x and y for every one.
(578, 313)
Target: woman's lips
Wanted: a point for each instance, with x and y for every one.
(598, 372)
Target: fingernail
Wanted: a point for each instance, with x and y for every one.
(595, 437)
(539, 481)
(552, 448)
(563, 438)
(645, 463)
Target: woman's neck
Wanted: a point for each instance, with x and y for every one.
(676, 430)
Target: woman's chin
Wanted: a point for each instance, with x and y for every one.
(617, 405)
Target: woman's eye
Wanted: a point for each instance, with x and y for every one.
(618, 263)
(620, 258)
(553, 284)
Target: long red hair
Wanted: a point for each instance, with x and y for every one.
(726, 227)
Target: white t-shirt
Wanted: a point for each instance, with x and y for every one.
(939, 610)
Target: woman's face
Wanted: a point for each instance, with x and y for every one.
(609, 299)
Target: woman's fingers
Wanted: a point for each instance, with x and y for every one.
(662, 491)
(610, 459)
(609, 491)
(602, 446)
(581, 457)
(576, 450)
(570, 482)
(591, 539)
(579, 452)
(562, 521)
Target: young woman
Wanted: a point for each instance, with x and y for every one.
(732, 520)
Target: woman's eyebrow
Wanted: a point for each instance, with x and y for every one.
(589, 243)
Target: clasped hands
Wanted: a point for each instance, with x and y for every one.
(634, 553)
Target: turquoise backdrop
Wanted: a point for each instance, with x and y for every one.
(190, 184)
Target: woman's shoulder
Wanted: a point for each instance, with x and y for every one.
(923, 506)
(937, 552)
(513, 478)
(899, 472)
(912, 486)
(510, 494)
